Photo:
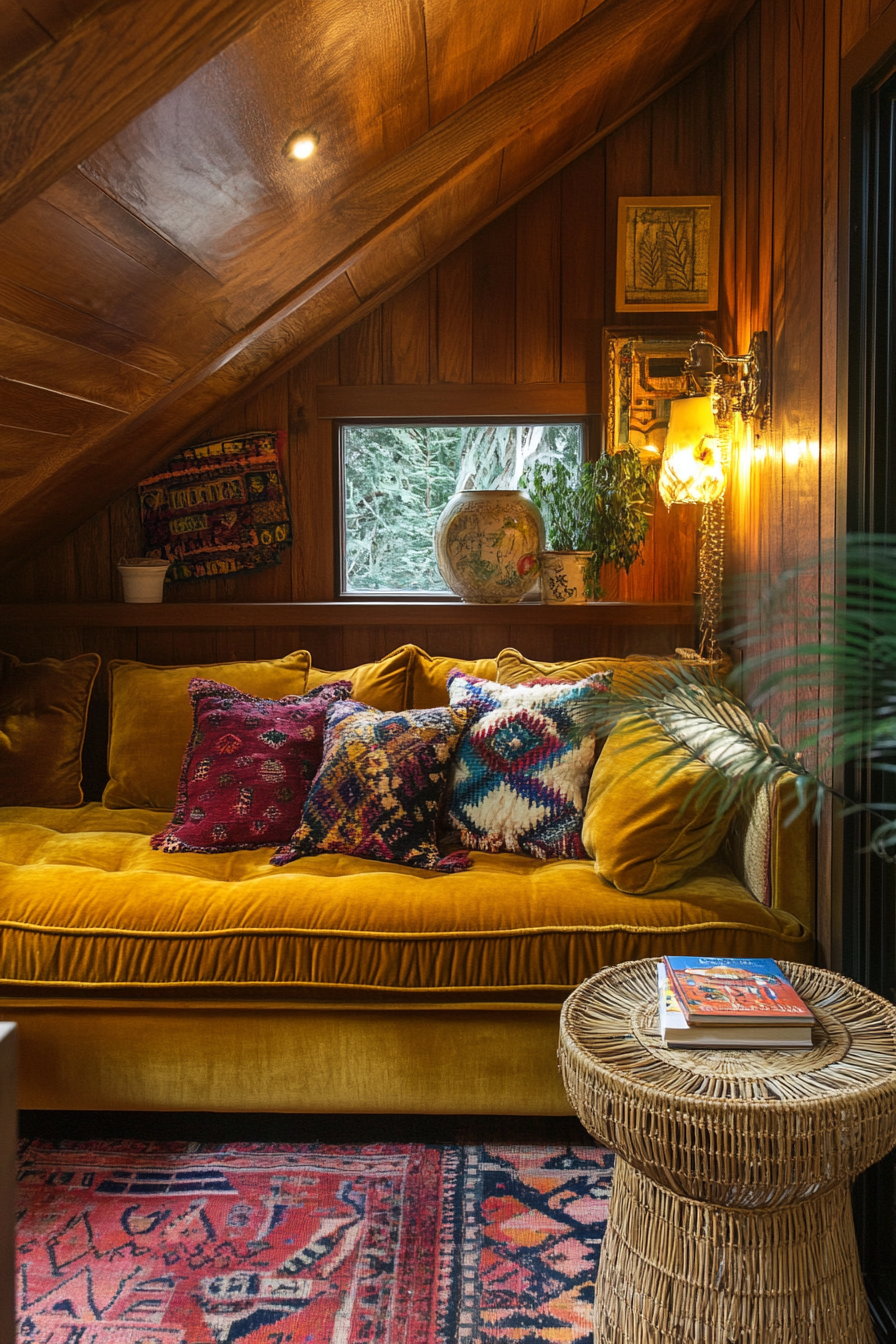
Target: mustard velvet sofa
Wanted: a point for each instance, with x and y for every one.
(142, 980)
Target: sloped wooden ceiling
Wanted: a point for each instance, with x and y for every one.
(185, 257)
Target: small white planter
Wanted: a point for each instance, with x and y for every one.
(563, 577)
(143, 580)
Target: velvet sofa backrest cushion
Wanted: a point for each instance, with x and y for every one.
(43, 716)
(151, 719)
(382, 684)
(629, 674)
(514, 668)
(430, 672)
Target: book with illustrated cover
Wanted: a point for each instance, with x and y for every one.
(719, 990)
(745, 1034)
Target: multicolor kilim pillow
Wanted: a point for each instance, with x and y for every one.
(218, 507)
(379, 790)
(520, 776)
(247, 769)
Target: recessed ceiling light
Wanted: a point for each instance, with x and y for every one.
(301, 144)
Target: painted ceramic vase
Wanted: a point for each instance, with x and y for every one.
(563, 576)
(487, 544)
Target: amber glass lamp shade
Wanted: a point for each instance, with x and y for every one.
(692, 470)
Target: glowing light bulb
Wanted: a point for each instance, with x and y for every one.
(301, 145)
(692, 471)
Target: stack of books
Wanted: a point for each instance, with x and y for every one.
(730, 1003)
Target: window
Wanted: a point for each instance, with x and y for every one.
(396, 479)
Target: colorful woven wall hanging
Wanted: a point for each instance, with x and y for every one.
(218, 507)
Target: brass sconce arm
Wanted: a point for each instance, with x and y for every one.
(739, 382)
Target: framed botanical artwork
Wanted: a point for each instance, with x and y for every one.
(667, 254)
(643, 373)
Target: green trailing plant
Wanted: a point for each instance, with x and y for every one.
(838, 693)
(602, 507)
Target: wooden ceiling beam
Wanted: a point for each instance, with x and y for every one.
(68, 98)
(271, 367)
(609, 48)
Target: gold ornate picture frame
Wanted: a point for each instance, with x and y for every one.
(667, 254)
(642, 375)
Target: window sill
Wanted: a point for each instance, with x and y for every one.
(294, 615)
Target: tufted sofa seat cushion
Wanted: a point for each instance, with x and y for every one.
(88, 906)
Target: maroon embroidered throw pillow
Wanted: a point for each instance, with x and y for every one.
(247, 769)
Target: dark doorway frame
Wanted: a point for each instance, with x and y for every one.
(867, 423)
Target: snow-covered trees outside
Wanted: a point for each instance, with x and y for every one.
(398, 478)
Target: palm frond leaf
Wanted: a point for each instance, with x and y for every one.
(835, 694)
(845, 681)
(704, 721)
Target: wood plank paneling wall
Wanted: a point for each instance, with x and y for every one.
(858, 18)
(781, 253)
(524, 301)
(780, 257)
(207, 270)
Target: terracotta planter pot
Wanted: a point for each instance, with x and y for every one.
(563, 577)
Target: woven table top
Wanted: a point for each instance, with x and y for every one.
(733, 1126)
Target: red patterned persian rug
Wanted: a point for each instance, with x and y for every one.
(177, 1243)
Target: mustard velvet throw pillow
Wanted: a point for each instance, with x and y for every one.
(643, 826)
(515, 669)
(151, 720)
(429, 676)
(631, 675)
(43, 716)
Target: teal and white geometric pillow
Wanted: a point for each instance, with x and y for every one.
(521, 771)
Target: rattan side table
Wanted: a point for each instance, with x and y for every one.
(730, 1220)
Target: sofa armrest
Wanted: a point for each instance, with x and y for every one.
(793, 857)
(771, 847)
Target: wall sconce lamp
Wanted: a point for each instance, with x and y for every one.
(692, 471)
(696, 452)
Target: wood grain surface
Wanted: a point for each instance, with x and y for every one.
(494, 332)
(70, 94)
(28, 28)
(296, 615)
(781, 254)
(448, 400)
(189, 248)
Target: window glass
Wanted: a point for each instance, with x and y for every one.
(398, 478)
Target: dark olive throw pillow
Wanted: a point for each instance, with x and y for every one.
(43, 715)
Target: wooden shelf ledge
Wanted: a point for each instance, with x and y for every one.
(234, 615)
